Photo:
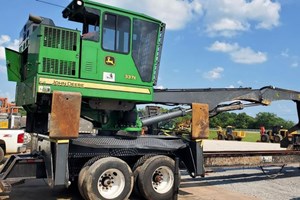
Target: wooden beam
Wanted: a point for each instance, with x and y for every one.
(200, 121)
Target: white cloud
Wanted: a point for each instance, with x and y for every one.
(176, 14)
(244, 55)
(226, 27)
(248, 56)
(295, 64)
(2, 53)
(228, 18)
(223, 47)
(214, 74)
(14, 45)
(5, 41)
(220, 17)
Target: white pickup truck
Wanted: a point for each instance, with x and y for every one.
(11, 136)
(11, 141)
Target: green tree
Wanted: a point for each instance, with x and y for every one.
(223, 119)
(243, 121)
(268, 120)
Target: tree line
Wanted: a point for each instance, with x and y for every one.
(244, 121)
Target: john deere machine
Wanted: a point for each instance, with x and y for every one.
(101, 74)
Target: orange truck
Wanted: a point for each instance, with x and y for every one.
(7, 107)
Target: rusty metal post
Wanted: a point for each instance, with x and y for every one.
(65, 115)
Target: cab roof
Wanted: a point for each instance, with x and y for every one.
(77, 5)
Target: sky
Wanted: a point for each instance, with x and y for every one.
(208, 43)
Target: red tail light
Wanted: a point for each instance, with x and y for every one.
(21, 138)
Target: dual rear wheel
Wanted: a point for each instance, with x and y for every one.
(156, 178)
(112, 179)
(106, 179)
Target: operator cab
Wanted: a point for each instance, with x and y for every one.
(89, 17)
(116, 45)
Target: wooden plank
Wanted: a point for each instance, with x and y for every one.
(200, 121)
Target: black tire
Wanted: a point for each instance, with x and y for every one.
(264, 138)
(108, 178)
(156, 178)
(277, 138)
(230, 137)
(2, 154)
(136, 170)
(136, 189)
(221, 137)
(81, 180)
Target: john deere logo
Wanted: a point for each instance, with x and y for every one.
(109, 60)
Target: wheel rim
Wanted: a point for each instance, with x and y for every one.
(162, 179)
(111, 183)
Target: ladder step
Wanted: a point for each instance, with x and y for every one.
(5, 187)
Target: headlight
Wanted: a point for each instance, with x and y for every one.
(79, 3)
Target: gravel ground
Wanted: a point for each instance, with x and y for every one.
(248, 183)
(243, 183)
(252, 182)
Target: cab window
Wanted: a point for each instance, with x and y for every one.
(90, 30)
(144, 46)
(116, 33)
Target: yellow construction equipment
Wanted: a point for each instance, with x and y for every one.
(230, 134)
(275, 135)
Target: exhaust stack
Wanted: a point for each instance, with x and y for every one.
(35, 19)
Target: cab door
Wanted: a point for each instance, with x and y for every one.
(115, 55)
(90, 45)
(89, 60)
(13, 65)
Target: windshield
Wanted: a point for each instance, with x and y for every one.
(144, 46)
